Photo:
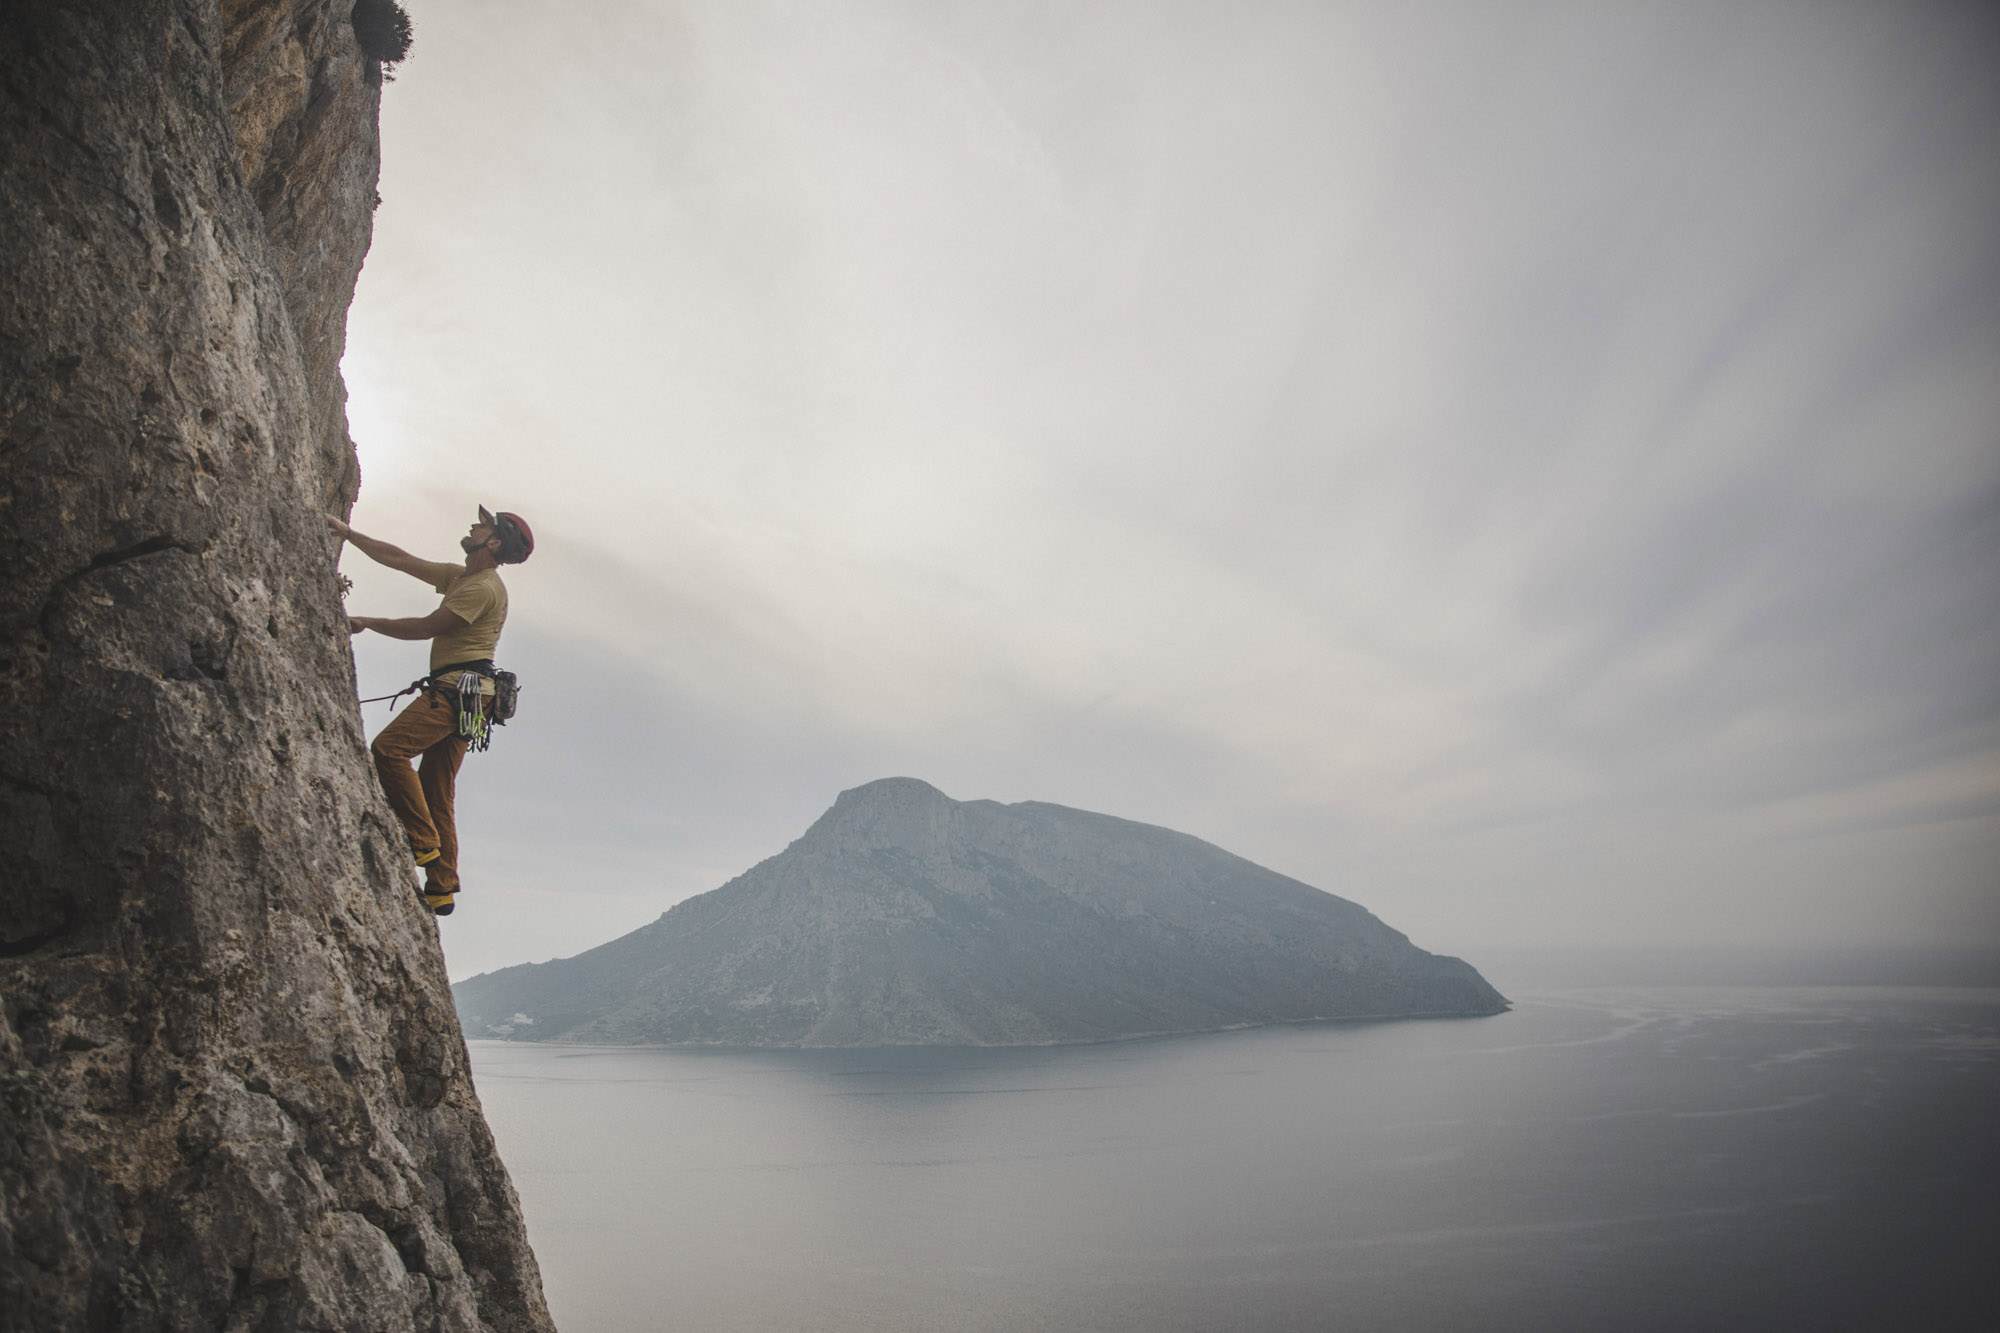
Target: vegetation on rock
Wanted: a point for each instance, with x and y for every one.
(383, 29)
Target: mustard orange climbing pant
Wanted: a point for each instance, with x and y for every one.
(423, 799)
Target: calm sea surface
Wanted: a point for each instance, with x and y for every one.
(1598, 1159)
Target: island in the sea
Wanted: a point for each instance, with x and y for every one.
(903, 917)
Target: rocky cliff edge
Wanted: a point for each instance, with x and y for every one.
(232, 1091)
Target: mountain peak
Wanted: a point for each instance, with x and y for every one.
(905, 812)
(891, 792)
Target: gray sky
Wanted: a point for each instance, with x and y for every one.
(1531, 469)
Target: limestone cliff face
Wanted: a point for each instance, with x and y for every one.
(232, 1091)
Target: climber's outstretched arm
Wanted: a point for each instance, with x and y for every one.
(409, 627)
(395, 557)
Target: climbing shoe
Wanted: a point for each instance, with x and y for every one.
(425, 857)
(436, 897)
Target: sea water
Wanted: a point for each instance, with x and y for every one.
(1602, 1159)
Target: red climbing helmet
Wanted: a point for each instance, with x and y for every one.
(517, 539)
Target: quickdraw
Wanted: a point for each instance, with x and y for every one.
(473, 723)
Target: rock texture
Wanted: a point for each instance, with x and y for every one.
(904, 917)
(232, 1093)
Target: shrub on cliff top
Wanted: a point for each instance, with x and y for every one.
(383, 29)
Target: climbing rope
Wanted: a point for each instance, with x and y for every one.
(411, 688)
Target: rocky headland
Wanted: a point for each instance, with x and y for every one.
(903, 917)
(233, 1094)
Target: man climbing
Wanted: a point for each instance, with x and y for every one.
(464, 633)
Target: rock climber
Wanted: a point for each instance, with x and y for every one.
(464, 633)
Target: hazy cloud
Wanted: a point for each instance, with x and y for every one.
(1533, 469)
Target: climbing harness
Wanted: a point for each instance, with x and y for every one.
(475, 722)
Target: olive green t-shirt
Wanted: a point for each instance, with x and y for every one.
(478, 599)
